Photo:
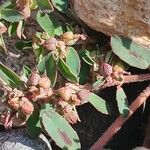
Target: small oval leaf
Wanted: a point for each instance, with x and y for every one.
(11, 15)
(59, 129)
(51, 68)
(99, 103)
(41, 65)
(122, 102)
(10, 77)
(130, 52)
(45, 23)
(33, 125)
(73, 60)
(66, 72)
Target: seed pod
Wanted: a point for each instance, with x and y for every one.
(106, 69)
(65, 93)
(14, 102)
(33, 79)
(67, 36)
(50, 44)
(45, 82)
(26, 106)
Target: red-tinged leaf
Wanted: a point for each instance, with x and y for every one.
(59, 129)
(130, 52)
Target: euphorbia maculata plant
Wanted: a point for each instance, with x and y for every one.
(69, 70)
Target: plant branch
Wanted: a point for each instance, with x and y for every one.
(127, 79)
(117, 124)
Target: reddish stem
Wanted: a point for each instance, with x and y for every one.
(117, 124)
(127, 79)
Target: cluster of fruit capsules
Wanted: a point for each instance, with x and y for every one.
(67, 39)
(16, 100)
(39, 88)
(67, 101)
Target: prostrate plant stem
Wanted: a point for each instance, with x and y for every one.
(117, 124)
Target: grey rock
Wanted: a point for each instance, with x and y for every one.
(17, 139)
(130, 18)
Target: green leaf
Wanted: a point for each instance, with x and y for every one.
(108, 57)
(85, 68)
(58, 30)
(2, 45)
(45, 5)
(51, 68)
(41, 65)
(87, 58)
(73, 60)
(33, 125)
(38, 50)
(84, 72)
(130, 52)
(122, 102)
(45, 23)
(26, 72)
(12, 29)
(61, 5)
(66, 72)
(11, 15)
(99, 103)
(10, 77)
(59, 129)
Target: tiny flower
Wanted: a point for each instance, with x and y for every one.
(44, 94)
(67, 36)
(62, 47)
(50, 44)
(65, 93)
(33, 79)
(26, 106)
(14, 102)
(3, 29)
(45, 82)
